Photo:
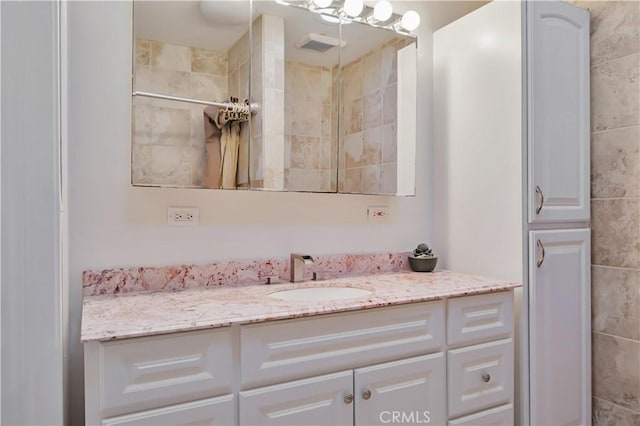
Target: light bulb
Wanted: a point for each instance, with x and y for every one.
(382, 11)
(353, 8)
(410, 20)
(322, 3)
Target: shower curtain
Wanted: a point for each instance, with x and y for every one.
(223, 137)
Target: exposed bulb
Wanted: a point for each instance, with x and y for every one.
(382, 11)
(353, 8)
(410, 20)
(322, 3)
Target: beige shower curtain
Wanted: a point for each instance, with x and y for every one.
(222, 147)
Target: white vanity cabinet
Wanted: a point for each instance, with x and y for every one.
(428, 362)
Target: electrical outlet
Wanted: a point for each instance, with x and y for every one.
(183, 216)
(378, 212)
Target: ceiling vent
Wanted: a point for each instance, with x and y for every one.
(319, 42)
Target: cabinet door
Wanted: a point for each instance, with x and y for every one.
(405, 391)
(560, 327)
(558, 111)
(214, 411)
(315, 401)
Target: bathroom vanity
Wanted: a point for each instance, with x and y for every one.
(435, 348)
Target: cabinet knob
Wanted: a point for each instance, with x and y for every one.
(486, 377)
(348, 398)
(366, 394)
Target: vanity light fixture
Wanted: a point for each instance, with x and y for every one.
(347, 11)
(353, 8)
(332, 19)
(410, 20)
(382, 11)
(322, 4)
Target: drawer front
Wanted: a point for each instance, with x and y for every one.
(150, 372)
(476, 319)
(499, 416)
(276, 352)
(480, 377)
(209, 412)
(315, 401)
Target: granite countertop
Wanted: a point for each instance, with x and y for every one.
(143, 314)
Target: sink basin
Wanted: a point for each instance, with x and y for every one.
(320, 293)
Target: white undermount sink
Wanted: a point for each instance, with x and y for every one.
(320, 293)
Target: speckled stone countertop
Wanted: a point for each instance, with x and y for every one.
(142, 314)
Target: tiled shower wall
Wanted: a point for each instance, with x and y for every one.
(168, 137)
(267, 124)
(615, 209)
(368, 158)
(309, 146)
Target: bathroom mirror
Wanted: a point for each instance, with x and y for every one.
(378, 118)
(329, 104)
(187, 54)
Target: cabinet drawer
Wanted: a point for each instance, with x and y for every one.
(480, 377)
(499, 416)
(476, 319)
(281, 351)
(209, 412)
(315, 401)
(150, 372)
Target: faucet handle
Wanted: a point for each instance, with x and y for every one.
(307, 259)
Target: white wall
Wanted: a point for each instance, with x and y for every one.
(32, 318)
(478, 142)
(113, 224)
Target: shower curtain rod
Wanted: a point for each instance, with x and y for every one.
(189, 100)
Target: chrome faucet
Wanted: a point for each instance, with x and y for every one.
(297, 266)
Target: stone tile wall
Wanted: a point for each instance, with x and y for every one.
(238, 82)
(309, 145)
(273, 103)
(615, 210)
(367, 162)
(168, 137)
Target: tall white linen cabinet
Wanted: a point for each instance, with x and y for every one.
(511, 185)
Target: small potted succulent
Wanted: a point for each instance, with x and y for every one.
(422, 259)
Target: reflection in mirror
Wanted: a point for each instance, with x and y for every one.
(295, 65)
(378, 119)
(188, 55)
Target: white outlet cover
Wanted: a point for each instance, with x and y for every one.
(183, 216)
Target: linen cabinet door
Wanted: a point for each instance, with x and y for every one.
(409, 391)
(560, 327)
(322, 400)
(558, 112)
